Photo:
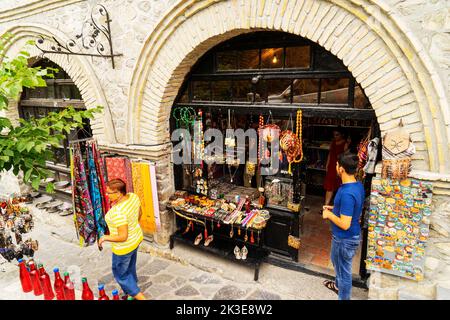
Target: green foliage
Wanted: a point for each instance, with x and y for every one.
(27, 147)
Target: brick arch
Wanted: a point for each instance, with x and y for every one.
(383, 55)
(79, 70)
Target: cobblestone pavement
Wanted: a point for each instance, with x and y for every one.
(183, 273)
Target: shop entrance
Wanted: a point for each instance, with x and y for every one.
(278, 79)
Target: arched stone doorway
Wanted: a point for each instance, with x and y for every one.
(378, 48)
(382, 55)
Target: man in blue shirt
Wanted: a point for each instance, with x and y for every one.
(344, 217)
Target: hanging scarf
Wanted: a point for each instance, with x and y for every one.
(143, 188)
(99, 164)
(119, 167)
(94, 188)
(84, 215)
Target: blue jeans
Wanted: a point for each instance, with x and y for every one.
(342, 253)
(124, 271)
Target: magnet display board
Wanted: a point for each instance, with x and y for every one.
(399, 221)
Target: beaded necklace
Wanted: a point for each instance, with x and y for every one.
(299, 156)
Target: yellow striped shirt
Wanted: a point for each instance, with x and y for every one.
(125, 213)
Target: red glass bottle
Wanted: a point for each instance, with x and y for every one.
(87, 293)
(69, 288)
(25, 279)
(46, 283)
(115, 295)
(101, 293)
(58, 285)
(34, 275)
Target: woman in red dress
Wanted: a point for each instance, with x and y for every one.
(332, 180)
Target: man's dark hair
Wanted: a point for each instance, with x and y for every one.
(348, 161)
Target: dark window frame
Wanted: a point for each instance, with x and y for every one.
(267, 40)
(52, 104)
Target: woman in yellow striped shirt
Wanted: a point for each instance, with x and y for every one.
(125, 235)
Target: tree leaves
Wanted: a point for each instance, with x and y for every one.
(27, 146)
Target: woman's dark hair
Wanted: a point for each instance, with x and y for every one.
(342, 131)
(118, 185)
(348, 161)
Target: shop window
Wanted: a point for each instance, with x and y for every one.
(38, 93)
(221, 90)
(305, 91)
(242, 90)
(361, 101)
(323, 60)
(249, 59)
(184, 98)
(334, 91)
(278, 91)
(39, 102)
(227, 60)
(201, 91)
(272, 58)
(298, 57)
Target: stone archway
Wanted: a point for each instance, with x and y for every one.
(76, 67)
(382, 54)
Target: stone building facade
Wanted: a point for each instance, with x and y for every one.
(399, 51)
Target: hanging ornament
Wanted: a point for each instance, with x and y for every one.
(231, 232)
(252, 239)
(239, 231)
(246, 236)
(295, 151)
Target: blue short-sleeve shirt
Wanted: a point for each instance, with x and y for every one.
(349, 201)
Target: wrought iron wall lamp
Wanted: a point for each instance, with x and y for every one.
(90, 42)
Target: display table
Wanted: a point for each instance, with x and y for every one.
(223, 245)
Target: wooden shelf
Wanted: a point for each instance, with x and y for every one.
(224, 248)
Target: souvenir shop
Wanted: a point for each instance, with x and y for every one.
(277, 84)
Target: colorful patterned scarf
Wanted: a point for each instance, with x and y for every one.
(119, 167)
(94, 188)
(84, 215)
(101, 173)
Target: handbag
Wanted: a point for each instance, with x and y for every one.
(294, 242)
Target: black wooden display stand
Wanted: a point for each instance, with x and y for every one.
(222, 245)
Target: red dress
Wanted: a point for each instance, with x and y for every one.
(332, 180)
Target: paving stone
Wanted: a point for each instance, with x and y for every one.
(106, 278)
(154, 267)
(143, 279)
(263, 295)
(208, 292)
(187, 291)
(156, 290)
(178, 282)
(230, 292)
(162, 278)
(144, 286)
(205, 279)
